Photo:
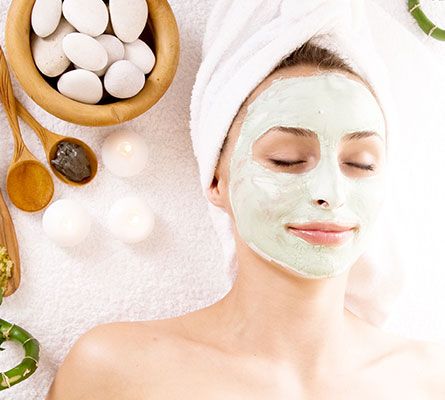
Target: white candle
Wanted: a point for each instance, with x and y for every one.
(66, 222)
(131, 219)
(124, 153)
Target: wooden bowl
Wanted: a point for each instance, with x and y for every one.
(161, 34)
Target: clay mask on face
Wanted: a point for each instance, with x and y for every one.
(264, 201)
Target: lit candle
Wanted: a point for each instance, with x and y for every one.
(124, 153)
(66, 222)
(130, 219)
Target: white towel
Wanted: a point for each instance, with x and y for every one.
(243, 42)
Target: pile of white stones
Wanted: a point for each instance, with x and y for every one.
(100, 40)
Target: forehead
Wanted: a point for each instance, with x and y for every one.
(330, 104)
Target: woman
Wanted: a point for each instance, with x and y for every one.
(282, 331)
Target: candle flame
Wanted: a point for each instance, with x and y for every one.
(134, 219)
(68, 224)
(125, 148)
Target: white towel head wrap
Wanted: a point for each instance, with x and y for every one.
(243, 43)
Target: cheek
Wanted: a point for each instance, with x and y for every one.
(366, 199)
(260, 195)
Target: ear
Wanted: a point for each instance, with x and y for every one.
(214, 192)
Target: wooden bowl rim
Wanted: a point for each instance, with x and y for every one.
(166, 36)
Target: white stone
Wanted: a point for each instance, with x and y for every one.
(128, 18)
(48, 52)
(123, 79)
(87, 16)
(45, 16)
(81, 85)
(85, 51)
(140, 54)
(115, 50)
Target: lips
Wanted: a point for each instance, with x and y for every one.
(323, 233)
(322, 226)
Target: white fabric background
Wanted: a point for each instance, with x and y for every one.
(64, 292)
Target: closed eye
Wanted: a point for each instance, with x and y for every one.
(287, 164)
(368, 167)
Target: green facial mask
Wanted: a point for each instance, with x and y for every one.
(264, 201)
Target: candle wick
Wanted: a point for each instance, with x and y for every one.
(126, 148)
(134, 219)
(68, 224)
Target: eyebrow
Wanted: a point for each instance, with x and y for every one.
(360, 135)
(309, 133)
(296, 131)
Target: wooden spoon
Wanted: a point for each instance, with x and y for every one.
(50, 140)
(8, 239)
(28, 183)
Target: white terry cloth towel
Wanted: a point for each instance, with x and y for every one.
(243, 42)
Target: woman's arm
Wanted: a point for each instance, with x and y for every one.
(85, 374)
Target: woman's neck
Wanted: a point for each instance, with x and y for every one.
(274, 313)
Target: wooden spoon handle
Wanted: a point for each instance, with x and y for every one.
(7, 92)
(8, 239)
(8, 99)
(46, 137)
(28, 118)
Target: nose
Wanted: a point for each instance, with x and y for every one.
(327, 186)
(321, 202)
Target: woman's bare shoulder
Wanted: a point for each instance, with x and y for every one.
(84, 372)
(128, 339)
(144, 341)
(430, 357)
(423, 351)
(430, 352)
(405, 361)
(107, 355)
(421, 361)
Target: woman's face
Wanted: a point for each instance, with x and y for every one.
(310, 148)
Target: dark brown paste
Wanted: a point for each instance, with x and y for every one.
(72, 161)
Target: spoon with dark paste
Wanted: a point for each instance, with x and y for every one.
(70, 159)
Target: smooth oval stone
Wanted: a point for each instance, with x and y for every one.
(48, 52)
(87, 16)
(85, 51)
(45, 16)
(140, 54)
(128, 18)
(123, 79)
(115, 50)
(81, 85)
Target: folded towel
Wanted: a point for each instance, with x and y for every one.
(243, 42)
